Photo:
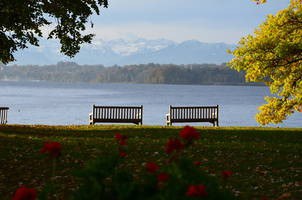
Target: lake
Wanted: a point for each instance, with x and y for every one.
(67, 104)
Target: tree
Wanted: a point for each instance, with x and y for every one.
(21, 23)
(273, 55)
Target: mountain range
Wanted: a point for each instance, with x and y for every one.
(129, 51)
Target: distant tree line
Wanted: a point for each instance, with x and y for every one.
(145, 73)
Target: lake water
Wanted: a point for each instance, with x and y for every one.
(66, 104)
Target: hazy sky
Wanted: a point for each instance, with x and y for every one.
(205, 20)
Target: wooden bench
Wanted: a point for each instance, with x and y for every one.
(116, 114)
(192, 114)
(3, 115)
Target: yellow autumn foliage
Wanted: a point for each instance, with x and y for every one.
(273, 55)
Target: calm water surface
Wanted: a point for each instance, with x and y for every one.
(57, 103)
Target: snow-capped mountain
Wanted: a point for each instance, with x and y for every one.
(129, 51)
(132, 47)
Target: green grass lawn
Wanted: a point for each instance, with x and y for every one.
(265, 161)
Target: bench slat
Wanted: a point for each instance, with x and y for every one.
(3, 115)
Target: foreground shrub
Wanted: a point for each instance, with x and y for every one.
(108, 177)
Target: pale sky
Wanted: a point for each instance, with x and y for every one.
(205, 20)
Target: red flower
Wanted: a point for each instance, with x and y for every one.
(173, 144)
(121, 139)
(226, 174)
(152, 167)
(196, 191)
(123, 142)
(162, 177)
(123, 154)
(52, 148)
(189, 133)
(24, 193)
(197, 163)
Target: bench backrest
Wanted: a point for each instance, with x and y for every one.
(118, 112)
(3, 115)
(194, 113)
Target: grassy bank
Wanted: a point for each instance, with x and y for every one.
(265, 162)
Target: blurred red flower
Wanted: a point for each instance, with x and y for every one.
(121, 139)
(122, 154)
(197, 163)
(151, 167)
(226, 174)
(24, 193)
(52, 148)
(173, 144)
(123, 142)
(189, 133)
(162, 177)
(196, 191)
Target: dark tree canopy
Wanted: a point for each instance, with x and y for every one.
(21, 23)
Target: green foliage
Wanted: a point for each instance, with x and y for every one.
(120, 183)
(273, 55)
(22, 22)
(93, 186)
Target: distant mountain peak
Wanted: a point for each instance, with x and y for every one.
(191, 42)
(132, 50)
